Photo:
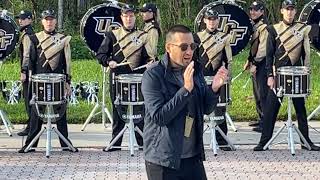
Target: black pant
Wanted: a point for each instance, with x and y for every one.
(118, 123)
(260, 89)
(221, 112)
(35, 127)
(271, 111)
(27, 97)
(190, 169)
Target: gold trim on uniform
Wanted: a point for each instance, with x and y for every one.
(152, 40)
(293, 39)
(213, 47)
(131, 45)
(52, 45)
(259, 41)
(26, 43)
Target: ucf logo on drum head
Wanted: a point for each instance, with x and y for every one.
(233, 20)
(97, 21)
(5, 39)
(228, 25)
(105, 24)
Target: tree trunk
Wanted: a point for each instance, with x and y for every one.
(60, 15)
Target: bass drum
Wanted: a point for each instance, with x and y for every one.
(9, 35)
(310, 14)
(97, 21)
(233, 20)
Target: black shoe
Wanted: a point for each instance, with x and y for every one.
(257, 129)
(313, 147)
(67, 149)
(254, 123)
(259, 147)
(225, 148)
(111, 150)
(25, 132)
(24, 148)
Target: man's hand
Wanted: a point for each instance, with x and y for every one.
(219, 78)
(67, 89)
(23, 77)
(149, 63)
(246, 65)
(253, 70)
(188, 77)
(270, 82)
(113, 64)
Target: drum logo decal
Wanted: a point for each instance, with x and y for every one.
(136, 40)
(5, 39)
(238, 32)
(104, 24)
(297, 33)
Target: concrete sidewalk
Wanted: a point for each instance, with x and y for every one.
(95, 135)
(92, 163)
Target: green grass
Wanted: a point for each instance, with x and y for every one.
(242, 108)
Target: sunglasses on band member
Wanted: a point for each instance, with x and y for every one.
(184, 46)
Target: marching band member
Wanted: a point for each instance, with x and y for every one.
(50, 53)
(214, 51)
(125, 44)
(257, 60)
(287, 45)
(25, 22)
(151, 18)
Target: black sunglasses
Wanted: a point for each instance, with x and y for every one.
(184, 46)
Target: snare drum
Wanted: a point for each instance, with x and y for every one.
(293, 81)
(128, 89)
(224, 96)
(48, 89)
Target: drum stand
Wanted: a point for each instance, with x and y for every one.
(131, 128)
(213, 128)
(5, 120)
(49, 115)
(230, 122)
(290, 127)
(104, 109)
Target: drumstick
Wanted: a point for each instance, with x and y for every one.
(245, 85)
(274, 91)
(123, 64)
(233, 79)
(140, 67)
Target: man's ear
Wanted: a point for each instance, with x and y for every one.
(168, 48)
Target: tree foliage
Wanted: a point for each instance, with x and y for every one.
(172, 12)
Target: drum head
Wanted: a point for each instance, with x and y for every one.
(310, 14)
(9, 36)
(97, 21)
(233, 20)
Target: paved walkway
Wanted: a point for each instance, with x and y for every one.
(92, 163)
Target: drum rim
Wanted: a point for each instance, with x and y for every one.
(51, 102)
(53, 75)
(16, 28)
(304, 9)
(294, 70)
(130, 78)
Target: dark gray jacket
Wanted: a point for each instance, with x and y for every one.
(166, 110)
